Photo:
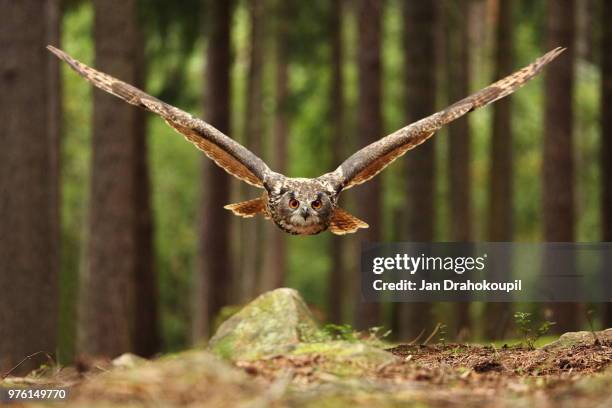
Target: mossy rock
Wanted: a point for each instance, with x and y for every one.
(582, 337)
(272, 322)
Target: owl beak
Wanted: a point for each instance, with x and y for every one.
(305, 212)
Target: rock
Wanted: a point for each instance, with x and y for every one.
(127, 360)
(279, 323)
(273, 322)
(582, 337)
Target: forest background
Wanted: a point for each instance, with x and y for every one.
(113, 236)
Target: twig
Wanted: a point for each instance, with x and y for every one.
(417, 338)
(26, 359)
(433, 333)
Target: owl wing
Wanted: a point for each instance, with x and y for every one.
(224, 151)
(372, 159)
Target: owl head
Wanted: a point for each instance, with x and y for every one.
(302, 206)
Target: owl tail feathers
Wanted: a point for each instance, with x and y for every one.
(344, 223)
(248, 209)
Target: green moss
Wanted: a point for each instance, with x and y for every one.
(272, 322)
(345, 351)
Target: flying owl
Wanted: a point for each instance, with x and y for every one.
(303, 206)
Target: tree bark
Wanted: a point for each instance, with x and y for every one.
(213, 277)
(370, 127)
(606, 142)
(500, 214)
(147, 340)
(420, 86)
(29, 253)
(252, 230)
(278, 250)
(558, 163)
(336, 284)
(459, 140)
(107, 292)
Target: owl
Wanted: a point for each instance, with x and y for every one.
(304, 206)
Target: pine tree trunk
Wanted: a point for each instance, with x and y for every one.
(213, 277)
(606, 142)
(53, 11)
(336, 284)
(107, 292)
(420, 85)
(370, 128)
(277, 251)
(459, 140)
(252, 229)
(558, 164)
(29, 253)
(146, 318)
(500, 216)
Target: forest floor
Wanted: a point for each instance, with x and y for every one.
(441, 375)
(273, 353)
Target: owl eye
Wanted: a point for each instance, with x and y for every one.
(316, 204)
(293, 203)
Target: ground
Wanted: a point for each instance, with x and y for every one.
(311, 368)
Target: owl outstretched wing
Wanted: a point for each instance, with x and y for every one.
(372, 159)
(224, 151)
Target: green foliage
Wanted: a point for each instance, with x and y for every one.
(340, 332)
(529, 332)
(442, 333)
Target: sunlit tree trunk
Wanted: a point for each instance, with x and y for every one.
(500, 215)
(420, 86)
(558, 163)
(29, 131)
(370, 129)
(213, 276)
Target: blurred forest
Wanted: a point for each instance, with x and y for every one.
(113, 235)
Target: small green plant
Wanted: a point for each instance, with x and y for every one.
(590, 314)
(442, 333)
(340, 332)
(377, 333)
(529, 333)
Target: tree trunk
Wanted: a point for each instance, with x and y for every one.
(336, 280)
(213, 282)
(606, 142)
(53, 19)
(146, 311)
(29, 250)
(459, 140)
(277, 251)
(500, 216)
(107, 293)
(252, 229)
(420, 85)
(370, 128)
(558, 163)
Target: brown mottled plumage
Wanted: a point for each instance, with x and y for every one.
(303, 206)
